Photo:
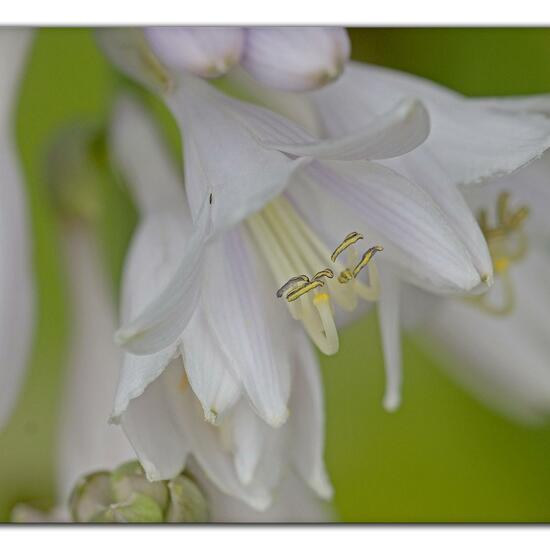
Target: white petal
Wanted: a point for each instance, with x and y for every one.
(293, 502)
(208, 448)
(16, 286)
(512, 376)
(249, 435)
(307, 424)
(87, 442)
(516, 104)
(223, 155)
(296, 58)
(127, 48)
(204, 51)
(394, 133)
(250, 324)
(206, 367)
(390, 331)
(423, 168)
(163, 320)
(151, 424)
(394, 213)
(143, 158)
(470, 142)
(152, 261)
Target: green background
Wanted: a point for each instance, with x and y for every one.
(442, 456)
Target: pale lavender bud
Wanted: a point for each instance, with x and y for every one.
(296, 58)
(204, 51)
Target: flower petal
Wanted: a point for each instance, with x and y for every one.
(205, 51)
(152, 260)
(390, 331)
(162, 321)
(513, 376)
(424, 169)
(250, 324)
(151, 425)
(470, 142)
(294, 502)
(296, 58)
(396, 132)
(394, 213)
(207, 446)
(223, 156)
(206, 368)
(307, 427)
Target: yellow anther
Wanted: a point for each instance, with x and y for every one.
(293, 283)
(297, 293)
(367, 256)
(350, 239)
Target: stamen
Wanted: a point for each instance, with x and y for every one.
(291, 247)
(507, 244)
(295, 294)
(292, 283)
(366, 258)
(350, 239)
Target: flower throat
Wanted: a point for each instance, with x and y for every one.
(304, 268)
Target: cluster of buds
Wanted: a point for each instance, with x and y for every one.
(126, 496)
(293, 59)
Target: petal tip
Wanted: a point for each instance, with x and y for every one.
(392, 402)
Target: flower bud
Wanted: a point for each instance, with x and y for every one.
(187, 503)
(296, 58)
(126, 496)
(205, 51)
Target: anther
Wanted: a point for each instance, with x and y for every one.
(292, 284)
(299, 292)
(323, 273)
(366, 258)
(350, 239)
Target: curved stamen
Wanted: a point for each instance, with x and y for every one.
(349, 239)
(293, 283)
(365, 259)
(299, 292)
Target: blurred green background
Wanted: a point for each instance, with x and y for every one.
(442, 456)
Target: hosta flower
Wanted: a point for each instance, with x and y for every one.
(16, 288)
(237, 158)
(500, 340)
(97, 480)
(287, 58)
(469, 142)
(164, 398)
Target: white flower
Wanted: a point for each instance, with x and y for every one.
(87, 443)
(500, 340)
(240, 157)
(162, 401)
(469, 142)
(16, 286)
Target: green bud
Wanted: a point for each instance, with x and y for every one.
(91, 496)
(126, 496)
(129, 478)
(138, 508)
(187, 503)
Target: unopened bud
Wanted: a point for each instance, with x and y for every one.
(208, 52)
(126, 496)
(296, 58)
(187, 503)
